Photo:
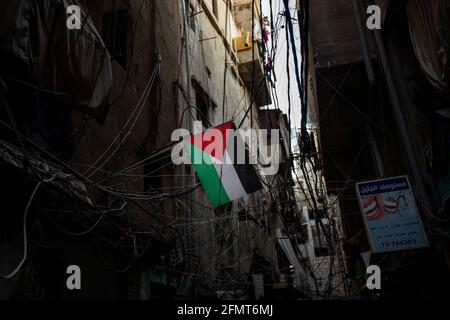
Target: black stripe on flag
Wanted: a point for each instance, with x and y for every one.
(245, 171)
(249, 178)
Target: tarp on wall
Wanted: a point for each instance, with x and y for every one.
(75, 62)
(429, 29)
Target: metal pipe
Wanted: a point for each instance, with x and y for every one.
(364, 45)
(187, 52)
(378, 161)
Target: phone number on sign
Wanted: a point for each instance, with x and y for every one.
(407, 242)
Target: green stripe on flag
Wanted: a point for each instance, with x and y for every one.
(209, 177)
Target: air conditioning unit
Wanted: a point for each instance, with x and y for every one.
(243, 42)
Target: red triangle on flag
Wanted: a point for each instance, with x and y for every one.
(216, 151)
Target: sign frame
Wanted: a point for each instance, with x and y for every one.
(415, 210)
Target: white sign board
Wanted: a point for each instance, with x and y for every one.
(390, 213)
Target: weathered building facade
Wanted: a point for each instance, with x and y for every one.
(87, 121)
(378, 98)
(321, 218)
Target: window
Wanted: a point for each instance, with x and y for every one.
(301, 233)
(202, 108)
(311, 214)
(320, 241)
(215, 8)
(115, 35)
(204, 104)
(208, 72)
(305, 234)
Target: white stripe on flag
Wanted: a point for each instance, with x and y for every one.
(229, 177)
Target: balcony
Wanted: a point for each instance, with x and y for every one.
(252, 72)
(248, 48)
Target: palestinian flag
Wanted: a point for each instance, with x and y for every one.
(215, 154)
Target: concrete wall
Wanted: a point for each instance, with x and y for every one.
(212, 243)
(224, 86)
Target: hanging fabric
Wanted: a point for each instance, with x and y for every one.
(74, 62)
(427, 22)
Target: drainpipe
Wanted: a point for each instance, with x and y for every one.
(185, 15)
(376, 154)
(401, 122)
(186, 123)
